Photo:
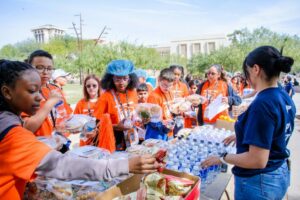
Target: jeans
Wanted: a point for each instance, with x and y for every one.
(266, 186)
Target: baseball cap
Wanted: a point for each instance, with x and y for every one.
(59, 73)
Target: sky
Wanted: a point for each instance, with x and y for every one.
(147, 22)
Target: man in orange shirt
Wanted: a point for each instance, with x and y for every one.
(163, 96)
(22, 156)
(45, 120)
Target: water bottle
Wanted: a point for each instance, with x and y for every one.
(60, 111)
(88, 130)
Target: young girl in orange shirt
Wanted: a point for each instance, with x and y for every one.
(22, 156)
(91, 92)
(119, 100)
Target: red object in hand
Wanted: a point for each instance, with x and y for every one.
(160, 155)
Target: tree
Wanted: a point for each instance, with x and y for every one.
(242, 42)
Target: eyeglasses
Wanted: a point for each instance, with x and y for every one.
(166, 85)
(90, 86)
(121, 78)
(44, 69)
(211, 73)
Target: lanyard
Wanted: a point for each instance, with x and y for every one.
(52, 115)
(89, 109)
(213, 89)
(167, 102)
(118, 102)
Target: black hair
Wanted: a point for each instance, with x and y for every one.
(142, 87)
(180, 67)
(188, 78)
(107, 82)
(10, 72)
(39, 53)
(221, 70)
(193, 82)
(289, 78)
(167, 74)
(270, 60)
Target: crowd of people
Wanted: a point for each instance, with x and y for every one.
(32, 103)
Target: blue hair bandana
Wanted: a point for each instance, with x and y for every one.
(120, 67)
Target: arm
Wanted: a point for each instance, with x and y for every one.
(255, 158)
(34, 122)
(61, 166)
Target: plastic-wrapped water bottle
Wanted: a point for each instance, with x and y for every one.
(60, 110)
(196, 170)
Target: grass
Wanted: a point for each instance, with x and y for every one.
(73, 93)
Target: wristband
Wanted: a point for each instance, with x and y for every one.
(222, 158)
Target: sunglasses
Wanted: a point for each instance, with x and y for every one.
(93, 85)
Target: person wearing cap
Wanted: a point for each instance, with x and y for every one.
(142, 77)
(59, 77)
(119, 99)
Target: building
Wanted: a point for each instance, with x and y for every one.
(187, 47)
(44, 33)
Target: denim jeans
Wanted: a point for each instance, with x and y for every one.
(266, 186)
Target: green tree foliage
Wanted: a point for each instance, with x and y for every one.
(242, 42)
(94, 58)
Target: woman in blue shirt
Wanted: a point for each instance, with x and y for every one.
(263, 131)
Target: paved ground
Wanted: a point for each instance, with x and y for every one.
(294, 146)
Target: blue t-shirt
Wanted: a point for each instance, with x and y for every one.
(268, 123)
(288, 87)
(156, 130)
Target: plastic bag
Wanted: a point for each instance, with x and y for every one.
(195, 99)
(76, 122)
(90, 152)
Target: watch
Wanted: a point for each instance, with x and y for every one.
(222, 158)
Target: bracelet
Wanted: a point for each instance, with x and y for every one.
(222, 158)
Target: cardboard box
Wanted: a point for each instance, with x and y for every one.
(225, 124)
(132, 184)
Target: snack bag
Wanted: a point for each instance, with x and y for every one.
(178, 186)
(195, 99)
(156, 184)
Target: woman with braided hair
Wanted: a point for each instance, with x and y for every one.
(22, 156)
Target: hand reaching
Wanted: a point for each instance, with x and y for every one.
(143, 164)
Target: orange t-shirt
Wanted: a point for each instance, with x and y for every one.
(180, 90)
(211, 92)
(85, 107)
(150, 88)
(107, 104)
(47, 126)
(163, 100)
(20, 154)
(190, 122)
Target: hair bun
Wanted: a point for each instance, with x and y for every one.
(284, 64)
